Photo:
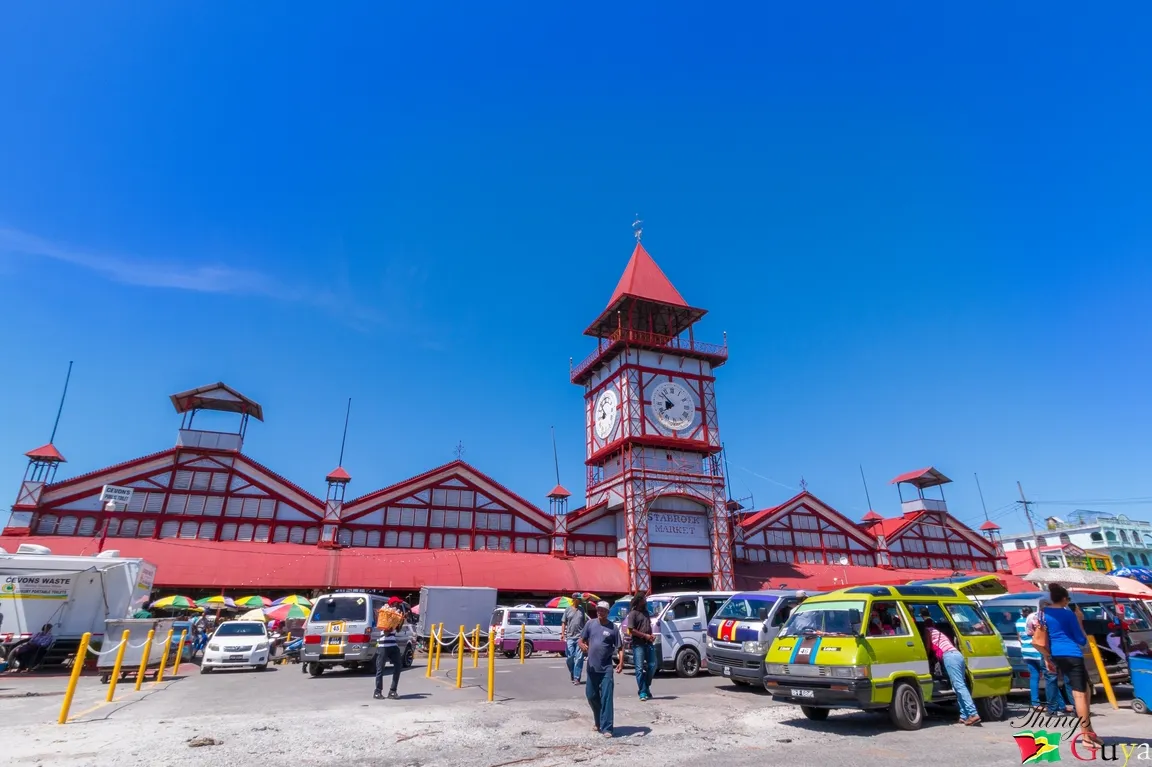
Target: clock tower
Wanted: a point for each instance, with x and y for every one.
(652, 434)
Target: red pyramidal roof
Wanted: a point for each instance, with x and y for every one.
(46, 453)
(642, 278)
(559, 492)
(339, 474)
(989, 525)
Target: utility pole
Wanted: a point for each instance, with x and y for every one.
(1032, 527)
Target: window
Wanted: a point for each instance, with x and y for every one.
(188, 530)
(405, 540)
(685, 610)
(887, 620)
(147, 529)
(245, 532)
(374, 539)
(1096, 537)
(825, 618)
(67, 525)
(169, 529)
(553, 618)
(207, 531)
(778, 537)
(1124, 536)
(390, 538)
(46, 525)
(1144, 559)
(311, 535)
(87, 526)
(128, 528)
(435, 541)
(360, 538)
(297, 535)
(114, 528)
(1020, 542)
(711, 605)
(969, 621)
(262, 532)
(228, 532)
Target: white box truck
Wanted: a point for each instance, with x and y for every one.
(455, 606)
(74, 594)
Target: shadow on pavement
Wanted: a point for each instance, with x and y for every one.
(624, 732)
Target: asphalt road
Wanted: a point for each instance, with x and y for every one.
(538, 719)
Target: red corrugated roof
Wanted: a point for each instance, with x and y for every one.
(831, 577)
(642, 278)
(339, 474)
(284, 566)
(46, 453)
(889, 527)
(928, 477)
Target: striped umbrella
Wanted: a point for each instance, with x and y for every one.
(253, 601)
(217, 602)
(1142, 574)
(286, 612)
(254, 615)
(174, 602)
(294, 599)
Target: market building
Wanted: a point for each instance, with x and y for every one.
(656, 516)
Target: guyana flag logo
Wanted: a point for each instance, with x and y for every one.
(1038, 746)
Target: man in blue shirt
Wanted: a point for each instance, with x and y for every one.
(1037, 668)
(599, 641)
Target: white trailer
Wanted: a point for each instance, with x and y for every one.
(455, 606)
(74, 594)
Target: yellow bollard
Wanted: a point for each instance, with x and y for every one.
(476, 647)
(116, 669)
(144, 660)
(439, 643)
(1104, 680)
(521, 642)
(460, 658)
(164, 657)
(179, 652)
(491, 665)
(77, 666)
(431, 650)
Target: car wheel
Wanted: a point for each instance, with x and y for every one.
(529, 648)
(815, 714)
(509, 655)
(740, 682)
(105, 678)
(687, 663)
(205, 670)
(1139, 706)
(315, 669)
(262, 667)
(409, 656)
(991, 709)
(907, 710)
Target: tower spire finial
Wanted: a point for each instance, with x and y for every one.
(638, 228)
(458, 451)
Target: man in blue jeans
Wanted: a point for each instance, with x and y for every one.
(638, 626)
(571, 626)
(599, 641)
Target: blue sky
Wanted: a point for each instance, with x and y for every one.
(926, 233)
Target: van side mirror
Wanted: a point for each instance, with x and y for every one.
(763, 613)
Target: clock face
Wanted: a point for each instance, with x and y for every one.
(673, 406)
(605, 413)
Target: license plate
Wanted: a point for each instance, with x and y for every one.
(333, 640)
(803, 694)
(727, 671)
(235, 657)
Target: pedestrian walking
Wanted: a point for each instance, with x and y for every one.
(638, 626)
(388, 621)
(1061, 639)
(1058, 699)
(599, 641)
(571, 627)
(954, 666)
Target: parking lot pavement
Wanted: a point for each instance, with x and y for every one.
(538, 719)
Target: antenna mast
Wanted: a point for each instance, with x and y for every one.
(555, 455)
(60, 409)
(866, 496)
(977, 476)
(344, 439)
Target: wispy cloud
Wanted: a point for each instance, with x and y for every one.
(195, 277)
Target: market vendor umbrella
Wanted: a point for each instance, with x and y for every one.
(254, 615)
(1142, 574)
(286, 612)
(217, 602)
(253, 601)
(1126, 588)
(293, 599)
(1072, 578)
(174, 602)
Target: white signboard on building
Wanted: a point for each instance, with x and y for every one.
(677, 528)
(118, 495)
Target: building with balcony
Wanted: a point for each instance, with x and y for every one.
(1105, 538)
